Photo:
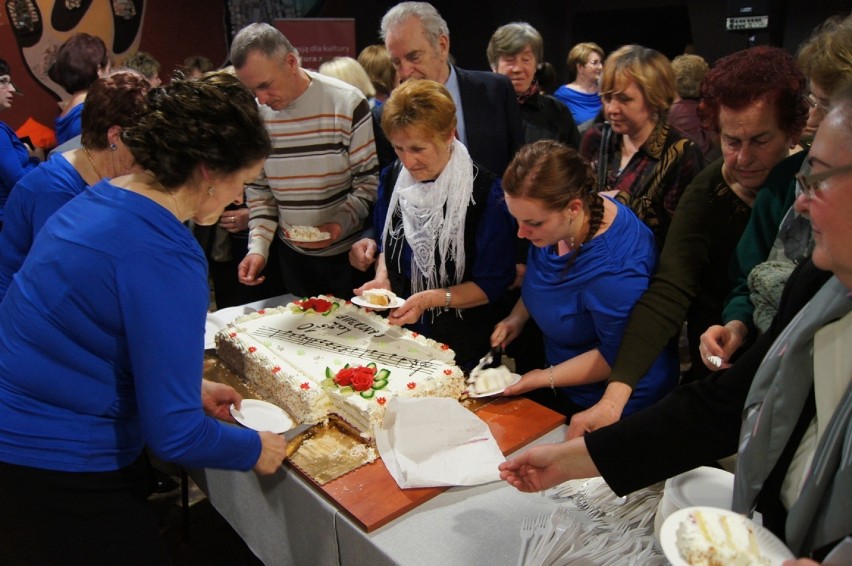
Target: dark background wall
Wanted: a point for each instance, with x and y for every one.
(666, 25)
(174, 29)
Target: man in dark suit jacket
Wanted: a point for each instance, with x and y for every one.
(489, 122)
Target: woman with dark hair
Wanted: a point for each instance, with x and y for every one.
(442, 227)
(102, 345)
(195, 66)
(79, 62)
(636, 153)
(756, 99)
(590, 262)
(113, 104)
(16, 159)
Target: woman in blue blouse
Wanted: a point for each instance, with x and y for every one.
(102, 350)
(591, 260)
(15, 158)
(113, 104)
(80, 60)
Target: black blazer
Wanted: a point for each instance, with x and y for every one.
(697, 423)
(492, 121)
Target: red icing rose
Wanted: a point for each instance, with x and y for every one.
(306, 386)
(415, 334)
(252, 349)
(276, 369)
(448, 372)
(344, 377)
(233, 334)
(318, 305)
(411, 385)
(444, 347)
(363, 378)
(261, 311)
(381, 400)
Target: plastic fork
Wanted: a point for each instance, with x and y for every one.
(527, 530)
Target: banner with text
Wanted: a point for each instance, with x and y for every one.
(319, 39)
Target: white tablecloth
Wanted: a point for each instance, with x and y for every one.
(284, 520)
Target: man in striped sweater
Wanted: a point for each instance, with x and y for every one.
(323, 170)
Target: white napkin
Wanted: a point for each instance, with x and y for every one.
(436, 442)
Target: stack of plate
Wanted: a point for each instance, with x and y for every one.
(704, 487)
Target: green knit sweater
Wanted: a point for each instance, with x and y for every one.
(772, 203)
(692, 279)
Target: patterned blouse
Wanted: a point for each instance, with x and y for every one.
(653, 181)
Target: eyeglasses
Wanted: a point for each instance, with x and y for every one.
(814, 102)
(810, 184)
(5, 81)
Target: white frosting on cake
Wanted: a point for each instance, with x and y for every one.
(715, 539)
(291, 356)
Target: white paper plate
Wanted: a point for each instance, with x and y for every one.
(262, 416)
(473, 395)
(361, 302)
(770, 546)
(704, 486)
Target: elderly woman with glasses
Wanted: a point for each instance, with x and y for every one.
(16, 159)
(777, 238)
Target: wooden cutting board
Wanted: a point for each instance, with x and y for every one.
(371, 497)
(369, 494)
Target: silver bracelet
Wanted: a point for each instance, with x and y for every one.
(448, 296)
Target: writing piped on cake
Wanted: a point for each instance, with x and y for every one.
(379, 297)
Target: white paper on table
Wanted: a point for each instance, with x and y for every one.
(436, 442)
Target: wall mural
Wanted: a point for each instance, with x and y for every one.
(40, 27)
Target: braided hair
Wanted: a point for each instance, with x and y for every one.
(555, 174)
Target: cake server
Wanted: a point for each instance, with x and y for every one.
(491, 359)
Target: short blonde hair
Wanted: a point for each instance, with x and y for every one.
(648, 68)
(422, 104)
(826, 57)
(689, 71)
(580, 53)
(349, 71)
(377, 62)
